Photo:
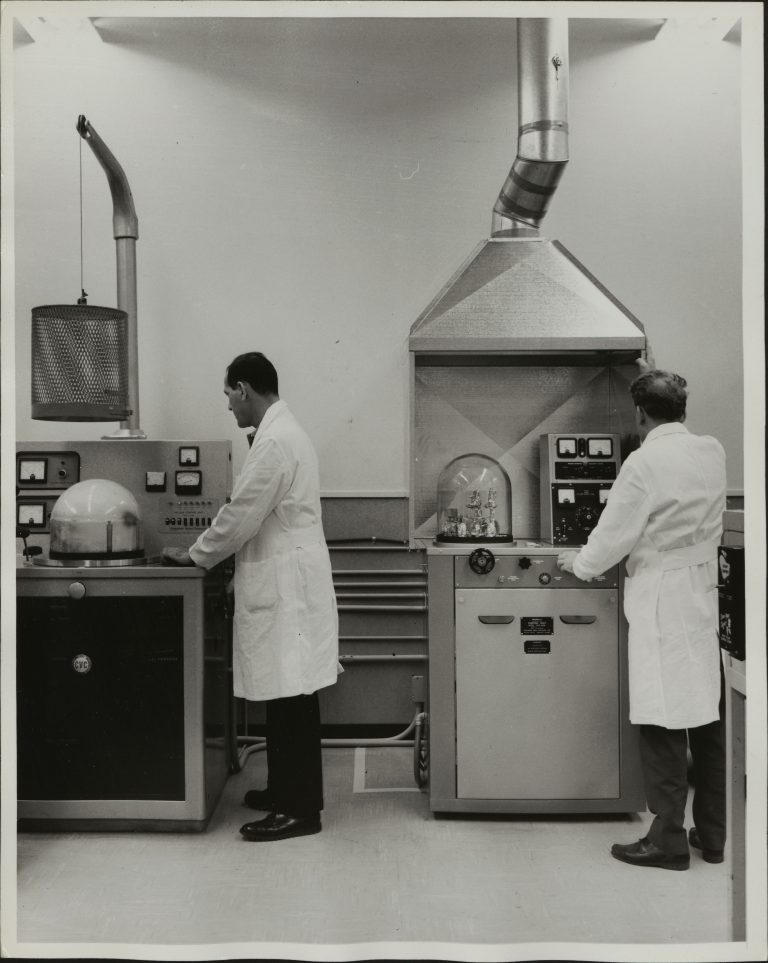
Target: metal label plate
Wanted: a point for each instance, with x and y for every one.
(537, 647)
(537, 625)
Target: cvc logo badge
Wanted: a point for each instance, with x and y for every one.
(82, 664)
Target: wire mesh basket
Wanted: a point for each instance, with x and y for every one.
(79, 363)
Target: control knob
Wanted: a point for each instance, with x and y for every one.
(585, 516)
(481, 561)
(524, 562)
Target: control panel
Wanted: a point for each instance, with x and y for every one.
(41, 470)
(577, 472)
(188, 514)
(179, 486)
(522, 570)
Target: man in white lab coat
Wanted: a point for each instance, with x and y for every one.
(665, 512)
(286, 639)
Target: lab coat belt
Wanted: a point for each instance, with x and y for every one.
(299, 538)
(686, 555)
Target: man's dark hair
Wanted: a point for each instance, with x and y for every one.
(257, 370)
(661, 394)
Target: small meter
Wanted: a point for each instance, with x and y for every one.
(31, 514)
(33, 470)
(189, 482)
(189, 455)
(600, 447)
(154, 481)
(566, 447)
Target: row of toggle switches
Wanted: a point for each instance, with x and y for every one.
(188, 522)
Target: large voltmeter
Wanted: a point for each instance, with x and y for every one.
(189, 482)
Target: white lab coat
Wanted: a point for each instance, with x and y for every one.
(286, 639)
(665, 512)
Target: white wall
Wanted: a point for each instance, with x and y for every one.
(305, 186)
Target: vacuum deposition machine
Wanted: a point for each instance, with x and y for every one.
(124, 703)
(528, 707)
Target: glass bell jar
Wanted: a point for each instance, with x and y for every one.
(474, 501)
(96, 519)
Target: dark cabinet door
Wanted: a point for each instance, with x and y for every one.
(100, 690)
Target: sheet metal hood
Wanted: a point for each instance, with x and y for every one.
(519, 293)
(525, 294)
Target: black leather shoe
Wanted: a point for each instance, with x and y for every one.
(258, 799)
(280, 826)
(644, 853)
(708, 855)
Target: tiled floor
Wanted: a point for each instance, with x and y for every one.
(383, 869)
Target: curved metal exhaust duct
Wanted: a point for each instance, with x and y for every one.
(126, 232)
(542, 144)
(519, 294)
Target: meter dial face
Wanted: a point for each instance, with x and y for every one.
(155, 481)
(188, 482)
(189, 456)
(600, 447)
(566, 447)
(31, 514)
(32, 470)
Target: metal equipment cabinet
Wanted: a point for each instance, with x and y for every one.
(123, 697)
(528, 692)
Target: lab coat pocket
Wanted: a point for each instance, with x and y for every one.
(701, 621)
(637, 593)
(256, 586)
(317, 583)
(640, 609)
(629, 593)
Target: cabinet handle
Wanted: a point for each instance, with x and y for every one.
(578, 619)
(496, 619)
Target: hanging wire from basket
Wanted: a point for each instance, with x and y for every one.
(83, 299)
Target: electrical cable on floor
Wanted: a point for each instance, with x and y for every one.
(420, 752)
(252, 744)
(250, 748)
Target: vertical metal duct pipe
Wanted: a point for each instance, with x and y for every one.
(542, 144)
(126, 231)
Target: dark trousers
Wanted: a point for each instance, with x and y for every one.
(664, 757)
(294, 761)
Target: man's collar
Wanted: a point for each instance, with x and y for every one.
(668, 428)
(269, 416)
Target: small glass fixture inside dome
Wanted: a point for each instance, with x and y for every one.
(474, 501)
(96, 519)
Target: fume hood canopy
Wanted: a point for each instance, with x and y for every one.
(524, 297)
